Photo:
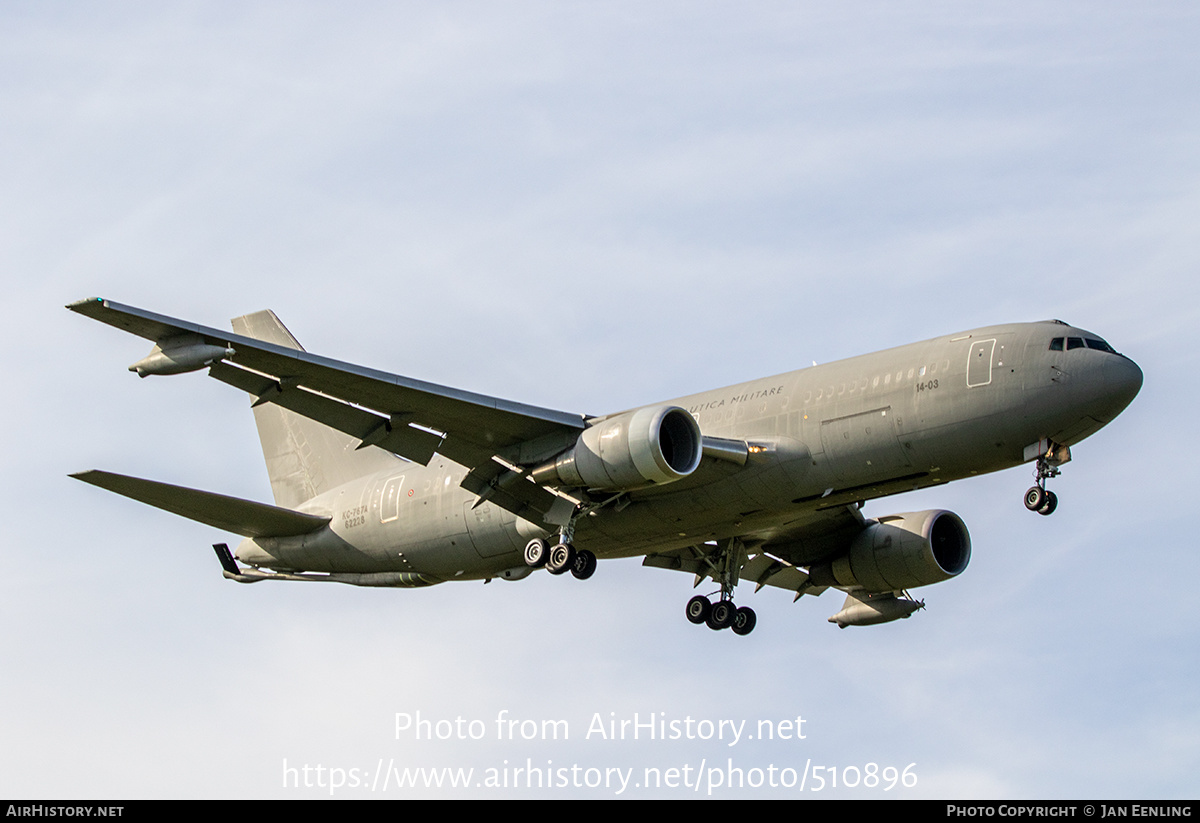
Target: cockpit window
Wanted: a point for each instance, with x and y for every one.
(1081, 342)
(1093, 343)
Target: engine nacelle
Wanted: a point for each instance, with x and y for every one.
(644, 447)
(900, 552)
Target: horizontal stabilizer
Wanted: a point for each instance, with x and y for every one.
(232, 514)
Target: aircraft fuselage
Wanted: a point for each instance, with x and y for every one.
(830, 435)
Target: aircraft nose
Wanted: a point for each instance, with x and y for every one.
(1122, 381)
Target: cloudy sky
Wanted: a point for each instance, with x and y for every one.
(588, 207)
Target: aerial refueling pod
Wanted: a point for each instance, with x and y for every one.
(177, 355)
(870, 609)
(647, 446)
(899, 552)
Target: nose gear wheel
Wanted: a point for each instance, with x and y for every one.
(1038, 498)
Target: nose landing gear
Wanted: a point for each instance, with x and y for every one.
(1038, 498)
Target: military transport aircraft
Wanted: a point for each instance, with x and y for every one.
(382, 480)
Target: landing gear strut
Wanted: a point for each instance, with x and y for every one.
(1038, 498)
(723, 614)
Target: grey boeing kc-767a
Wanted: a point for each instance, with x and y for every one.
(383, 480)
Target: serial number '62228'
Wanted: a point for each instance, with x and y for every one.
(354, 517)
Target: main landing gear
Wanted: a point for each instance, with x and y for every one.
(1038, 498)
(560, 558)
(723, 614)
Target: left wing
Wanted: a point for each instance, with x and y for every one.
(489, 436)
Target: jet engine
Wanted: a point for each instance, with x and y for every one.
(899, 552)
(644, 447)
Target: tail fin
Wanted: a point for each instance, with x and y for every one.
(304, 458)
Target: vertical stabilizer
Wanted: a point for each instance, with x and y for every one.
(304, 458)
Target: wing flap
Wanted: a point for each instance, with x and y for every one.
(766, 570)
(373, 429)
(232, 514)
(515, 492)
(689, 560)
(762, 568)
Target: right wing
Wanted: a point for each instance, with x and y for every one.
(490, 437)
(774, 557)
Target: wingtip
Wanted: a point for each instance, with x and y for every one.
(80, 305)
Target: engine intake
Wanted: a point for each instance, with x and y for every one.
(644, 447)
(900, 552)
